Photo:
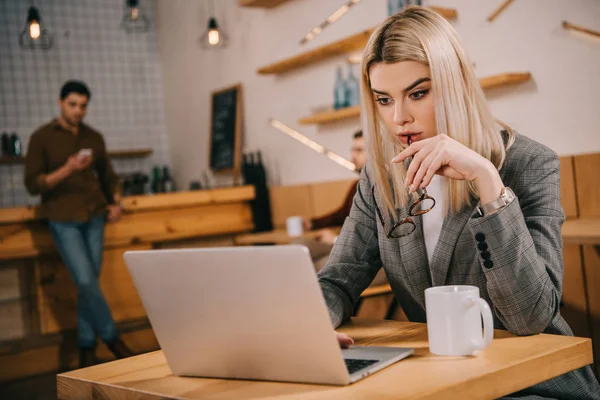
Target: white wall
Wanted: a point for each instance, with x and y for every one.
(122, 70)
(559, 108)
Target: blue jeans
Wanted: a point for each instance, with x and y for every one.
(80, 245)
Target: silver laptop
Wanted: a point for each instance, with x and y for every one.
(247, 313)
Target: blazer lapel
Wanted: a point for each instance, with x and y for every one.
(442, 255)
(413, 255)
(414, 259)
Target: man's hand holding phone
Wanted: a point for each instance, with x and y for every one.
(80, 161)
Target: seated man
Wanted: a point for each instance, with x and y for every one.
(337, 217)
(321, 247)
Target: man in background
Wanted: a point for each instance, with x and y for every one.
(322, 246)
(337, 217)
(68, 166)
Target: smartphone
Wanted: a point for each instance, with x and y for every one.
(84, 153)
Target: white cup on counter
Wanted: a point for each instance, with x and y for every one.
(295, 226)
(454, 315)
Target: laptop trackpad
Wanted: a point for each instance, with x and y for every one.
(361, 357)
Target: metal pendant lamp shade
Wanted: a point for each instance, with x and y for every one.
(35, 36)
(134, 19)
(213, 37)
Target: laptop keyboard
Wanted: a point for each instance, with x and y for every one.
(354, 364)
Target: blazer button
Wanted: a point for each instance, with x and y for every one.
(486, 255)
(482, 246)
(488, 264)
(480, 237)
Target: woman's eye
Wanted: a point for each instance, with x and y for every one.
(419, 94)
(384, 101)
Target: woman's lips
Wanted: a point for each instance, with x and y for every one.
(413, 137)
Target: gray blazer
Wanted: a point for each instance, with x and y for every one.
(520, 276)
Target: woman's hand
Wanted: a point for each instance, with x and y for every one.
(344, 340)
(445, 156)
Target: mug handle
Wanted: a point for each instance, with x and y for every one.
(488, 325)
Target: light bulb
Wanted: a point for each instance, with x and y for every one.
(213, 37)
(34, 30)
(135, 13)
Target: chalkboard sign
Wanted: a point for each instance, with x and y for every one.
(226, 130)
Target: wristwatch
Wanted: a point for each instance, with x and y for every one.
(506, 197)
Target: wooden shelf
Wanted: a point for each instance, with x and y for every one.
(346, 45)
(331, 116)
(261, 3)
(489, 82)
(130, 153)
(349, 44)
(580, 29)
(4, 160)
(511, 78)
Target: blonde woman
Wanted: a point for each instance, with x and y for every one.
(497, 218)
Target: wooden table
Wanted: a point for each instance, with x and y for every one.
(508, 365)
(582, 231)
(277, 236)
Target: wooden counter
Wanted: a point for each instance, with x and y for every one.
(146, 220)
(510, 364)
(38, 301)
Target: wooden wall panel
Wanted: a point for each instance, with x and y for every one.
(587, 177)
(287, 201)
(59, 352)
(139, 341)
(14, 315)
(29, 362)
(567, 187)
(57, 295)
(15, 303)
(575, 308)
(10, 286)
(326, 197)
(591, 257)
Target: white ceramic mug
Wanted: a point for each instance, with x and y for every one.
(295, 226)
(454, 316)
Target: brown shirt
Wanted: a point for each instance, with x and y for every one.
(84, 194)
(337, 217)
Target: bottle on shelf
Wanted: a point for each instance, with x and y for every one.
(261, 205)
(352, 88)
(168, 185)
(245, 168)
(6, 147)
(260, 168)
(156, 180)
(395, 6)
(339, 90)
(15, 144)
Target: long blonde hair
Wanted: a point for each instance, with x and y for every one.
(422, 35)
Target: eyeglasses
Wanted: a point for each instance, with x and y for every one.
(421, 206)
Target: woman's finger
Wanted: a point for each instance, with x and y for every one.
(411, 150)
(436, 165)
(416, 161)
(423, 168)
(344, 340)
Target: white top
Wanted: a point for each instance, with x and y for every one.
(433, 220)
